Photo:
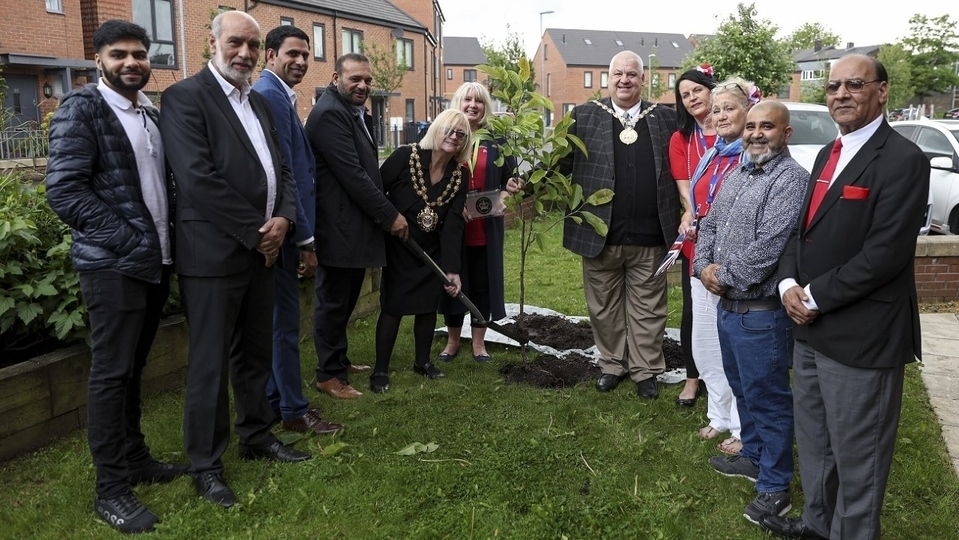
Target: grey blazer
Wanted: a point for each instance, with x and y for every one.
(597, 171)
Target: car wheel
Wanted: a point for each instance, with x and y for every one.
(954, 221)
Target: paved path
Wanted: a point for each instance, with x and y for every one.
(940, 374)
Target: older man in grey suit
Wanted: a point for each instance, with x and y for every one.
(627, 141)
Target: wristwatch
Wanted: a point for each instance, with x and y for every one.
(309, 246)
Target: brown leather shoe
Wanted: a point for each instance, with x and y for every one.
(359, 368)
(338, 389)
(311, 421)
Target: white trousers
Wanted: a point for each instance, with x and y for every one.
(721, 404)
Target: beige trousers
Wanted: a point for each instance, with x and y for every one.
(627, 309)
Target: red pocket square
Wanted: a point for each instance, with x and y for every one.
(855, 192)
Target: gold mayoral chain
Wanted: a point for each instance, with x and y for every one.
(428, 219)
(628, 135)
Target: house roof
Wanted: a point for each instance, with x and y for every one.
(597, 47)
(832, 53)
(462, 51)
(380, 12)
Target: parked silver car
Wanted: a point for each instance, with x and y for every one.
(939, 140)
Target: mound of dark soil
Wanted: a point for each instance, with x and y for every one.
(547, 371)
(559, 333)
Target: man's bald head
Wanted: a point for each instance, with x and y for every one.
(767, 131)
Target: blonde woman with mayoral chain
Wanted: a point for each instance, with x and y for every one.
(482, 252)
(427, 183)
(730, 101)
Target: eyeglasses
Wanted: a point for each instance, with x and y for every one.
(853, 86)
(730, 86)
(455, 133)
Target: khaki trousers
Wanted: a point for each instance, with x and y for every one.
(627, 309)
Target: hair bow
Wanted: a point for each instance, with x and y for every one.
(754, 95)
(705, 69)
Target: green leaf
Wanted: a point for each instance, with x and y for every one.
(417, 448)
(598, 225)
(600, 197)
(334, 449)
(28, 312)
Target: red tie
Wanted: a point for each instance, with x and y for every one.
(822, 185)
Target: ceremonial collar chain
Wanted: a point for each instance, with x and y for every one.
(428, 219)
(628, 135)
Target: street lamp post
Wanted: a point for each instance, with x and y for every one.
(649, 66)
(542, 52)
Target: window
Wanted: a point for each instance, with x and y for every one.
(404, 53)
(286, 21)
(55, 6)
(603, 79)
(469, 75)
(671, 80)
(549, 84)
(352, 40)
(587, 79)
(410, 109)
(587, 42)
(157, 17)
(449, 74)
(545, 48)
(319, 41)
(783, 92)
(813, 74)
(567, 107)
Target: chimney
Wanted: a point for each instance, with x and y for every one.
(817, 46)
(850, 45)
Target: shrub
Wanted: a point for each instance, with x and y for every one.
(39, 290)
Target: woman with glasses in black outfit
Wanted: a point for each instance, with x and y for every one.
(427, 183)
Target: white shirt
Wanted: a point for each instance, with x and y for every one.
(851, 143)
(240, 101)
(148, 152)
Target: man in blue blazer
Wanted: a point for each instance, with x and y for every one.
(287, 59)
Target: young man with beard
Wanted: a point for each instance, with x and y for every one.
(235, 206)
(351, 214)
(287, 59)
(737, 255)
(106, 179)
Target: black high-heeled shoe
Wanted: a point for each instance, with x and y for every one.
(691, 402)
(429, 369)
(380, 382)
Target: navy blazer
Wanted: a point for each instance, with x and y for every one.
(297, 154)
(857, 254)
(221, 190)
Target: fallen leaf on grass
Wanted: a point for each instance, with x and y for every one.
(418, 448)
(335, 448)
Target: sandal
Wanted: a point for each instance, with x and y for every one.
(730, 446)
(708, 432)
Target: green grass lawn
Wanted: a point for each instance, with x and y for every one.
(510, 461)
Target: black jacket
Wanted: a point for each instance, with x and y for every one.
(94, 186)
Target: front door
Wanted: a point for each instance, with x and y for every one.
(21, 101)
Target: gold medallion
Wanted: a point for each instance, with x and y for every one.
(427, 219)
(628, 136)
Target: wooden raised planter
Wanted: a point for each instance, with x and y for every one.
(46, 397)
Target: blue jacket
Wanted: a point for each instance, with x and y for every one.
(94, 186)
(297, 154)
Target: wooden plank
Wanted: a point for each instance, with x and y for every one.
(24, 416)
(38, 435)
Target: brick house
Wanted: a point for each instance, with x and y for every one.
(572, 64)
(461, 55)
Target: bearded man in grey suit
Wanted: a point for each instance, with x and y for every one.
(627, 140)
(235, 207)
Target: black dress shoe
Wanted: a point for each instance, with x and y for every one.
(429, 369)
(211, 487)
(380, 382)
(274, 452)
(788, 527)
(447, 357)
(647, 388)
(608, 382)
(156, 472)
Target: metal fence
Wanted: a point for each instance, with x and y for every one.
(26, 141)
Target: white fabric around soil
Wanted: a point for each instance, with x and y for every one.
(512, 310)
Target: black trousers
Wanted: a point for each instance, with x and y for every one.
(475, 275)
(124, 316)
(337, 290)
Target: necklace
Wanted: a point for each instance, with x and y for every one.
(628, 135)
(427, 218)
(700, 149)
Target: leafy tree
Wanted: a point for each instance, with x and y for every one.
(932, 43)
(812, 92)
(806, 36)
(746, 46)
(897, 61)
(522, 135)
(655, 86)
(388, 69)
(508, 56)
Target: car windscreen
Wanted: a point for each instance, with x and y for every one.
(812, 127)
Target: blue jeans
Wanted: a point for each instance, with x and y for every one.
(757, 349)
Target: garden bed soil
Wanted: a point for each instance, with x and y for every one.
(549, 371)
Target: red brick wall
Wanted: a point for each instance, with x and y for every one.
(27, 28)
(937, 268)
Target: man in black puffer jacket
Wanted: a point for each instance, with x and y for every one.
(106, 180)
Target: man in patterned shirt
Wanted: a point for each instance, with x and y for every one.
(737, 255)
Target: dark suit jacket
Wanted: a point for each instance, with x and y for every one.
(857, 255)
(351, 210)
(221, 187)
(597, 171)
(297, 154)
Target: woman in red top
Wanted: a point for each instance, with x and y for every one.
(687, 146)
(482, 252)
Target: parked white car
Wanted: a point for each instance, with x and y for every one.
(939, 140)
(813, 128)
